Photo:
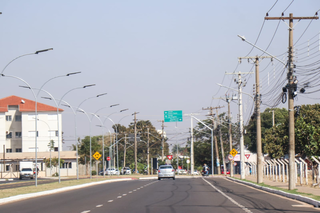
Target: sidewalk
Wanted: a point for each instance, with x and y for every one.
(284, 185)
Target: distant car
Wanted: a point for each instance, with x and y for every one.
(101, 172)
(181, 171)
(110, 171)
(125, 171)
(166, 171)
(222, 171)
(196, 172)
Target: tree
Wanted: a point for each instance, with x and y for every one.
(54, 163)
(84, 148)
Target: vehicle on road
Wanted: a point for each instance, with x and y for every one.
(27, 170)
(196, 172)
(181, 171)
(110, 171)
(27, 173)
(166, 171)
(125, 171)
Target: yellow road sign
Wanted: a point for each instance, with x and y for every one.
(233, 152)
(97, 155)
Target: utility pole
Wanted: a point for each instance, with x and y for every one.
(221, 143)
(258, 118)
(135, 142)
(230, 135)
(148, 151)
(215, 138)
(162, 139)
(292, 182)
(125, 150)
(240, 85)
(272, 117)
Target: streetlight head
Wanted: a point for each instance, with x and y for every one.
(66, 105)
(114, 105)
(123, 110)
(90, 85)
(47, 98)
(101, 94)
(242, 37)
(2, 75)
(73, 73)
(25, 87)
(41, 51)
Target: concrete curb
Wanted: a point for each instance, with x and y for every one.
(36, 194)
(308, 200)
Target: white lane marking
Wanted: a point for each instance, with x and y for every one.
(232, 200)
(119, 197)
(138, 188)
(124, 195)
(141, 187)
(134, 190)
(110, 201)
(86, 211)
(130, 192)
(301, 206)
(99, 205)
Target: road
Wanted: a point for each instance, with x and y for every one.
(170, 196)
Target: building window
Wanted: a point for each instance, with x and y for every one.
(33, 133)
(55, 149)
(8, 118)
(18, 118)
(67, 165)
(7, 167)
(18, 134)
(18, 150)
(8, 150)
(9, 135)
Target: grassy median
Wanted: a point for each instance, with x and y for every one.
(55, 185)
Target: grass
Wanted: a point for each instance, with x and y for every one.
(49, 186)
(294, 191)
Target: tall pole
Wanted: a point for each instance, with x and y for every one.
(125, 150)
(230, 135)
(192, 150)
(292, 182)
(162, 142)
(221, 144)
(135, 142)
(243, 176)
(148, 152)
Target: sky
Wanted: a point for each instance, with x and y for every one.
(151, 56)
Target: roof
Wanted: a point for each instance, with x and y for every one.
(25, 105)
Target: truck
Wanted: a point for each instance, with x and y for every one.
(26, 170)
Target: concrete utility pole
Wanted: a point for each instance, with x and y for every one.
(125, 150)
(135, 142)
(292, 182)
(215, 138)
(240, 85)
(230, 134)
(272, 117)
(221, 143)
(258, 118)
(162, 138)
(148, 152)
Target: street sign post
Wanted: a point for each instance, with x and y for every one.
(247, 156)
(108, 158)
(230, 157)
(97, 155)
(173, 116)
(169, 157)
(233, 152)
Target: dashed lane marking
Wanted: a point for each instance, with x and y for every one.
(110, 201)
(130, 192)
(98, 206)
(124, 195)
(86, 211)
(119, 197)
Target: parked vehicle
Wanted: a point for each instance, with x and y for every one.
(110, 171)
(196, 172)
(125, 171)
(166, 171)
(181, 171)
(222, 171)
(27, 170)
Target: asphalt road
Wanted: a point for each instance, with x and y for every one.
(166, 196)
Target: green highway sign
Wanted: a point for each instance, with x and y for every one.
(173, 116)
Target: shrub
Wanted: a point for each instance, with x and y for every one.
(94, 172)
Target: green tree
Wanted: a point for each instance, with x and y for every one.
(84, 148)
(54, 162)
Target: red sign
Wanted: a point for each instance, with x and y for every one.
(108, 158)
(247, 156)
(169, 157)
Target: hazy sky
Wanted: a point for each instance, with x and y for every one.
(149, 56)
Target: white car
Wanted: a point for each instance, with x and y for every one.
(181, 171)
(110, 171)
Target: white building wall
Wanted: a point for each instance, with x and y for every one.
(2, 131)
(47, 123)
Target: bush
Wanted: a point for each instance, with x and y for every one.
(93, 172)
(55, 174)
